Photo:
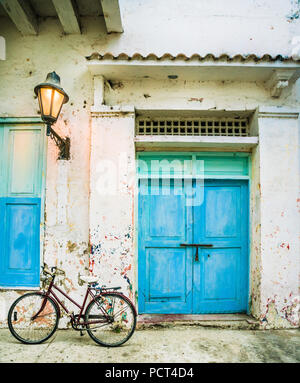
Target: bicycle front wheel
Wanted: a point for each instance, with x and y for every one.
(23, 323)
(111, 319)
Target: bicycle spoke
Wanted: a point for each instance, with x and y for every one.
(120, 323)
(120, 312)
(21, 322)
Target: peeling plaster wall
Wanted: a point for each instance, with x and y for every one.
(85, 233)
(112, 199)
(280, 221)
(197, 95)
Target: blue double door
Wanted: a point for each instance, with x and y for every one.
(176, 278)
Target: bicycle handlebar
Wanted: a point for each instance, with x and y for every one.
(54, 271)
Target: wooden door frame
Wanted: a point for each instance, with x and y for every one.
(228, 176)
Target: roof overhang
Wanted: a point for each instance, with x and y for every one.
(276, 73)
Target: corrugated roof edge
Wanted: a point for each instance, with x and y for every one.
(195, 56)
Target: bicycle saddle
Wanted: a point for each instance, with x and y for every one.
(89, 279)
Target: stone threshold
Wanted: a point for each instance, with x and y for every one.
(233, 321)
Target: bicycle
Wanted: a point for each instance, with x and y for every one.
(109, 317)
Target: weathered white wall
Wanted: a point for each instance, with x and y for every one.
(279, 217)
(112, 177)
(150, 26)
(197, 95)
(207, 26)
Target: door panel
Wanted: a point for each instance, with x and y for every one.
(218, 267)
(164, 282)
(221, 216)
(162, 224)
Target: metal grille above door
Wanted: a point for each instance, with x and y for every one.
(204, 126)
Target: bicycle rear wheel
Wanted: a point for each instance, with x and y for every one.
(114, 317)
(22, 324)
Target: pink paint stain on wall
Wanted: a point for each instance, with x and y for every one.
(91, 265)
(285, 245)
(126, 269)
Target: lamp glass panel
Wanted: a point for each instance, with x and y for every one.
(46, 95)
(58, 99)
(40, 102)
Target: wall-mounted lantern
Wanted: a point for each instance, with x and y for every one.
(51, 98)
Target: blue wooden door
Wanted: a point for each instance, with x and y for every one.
(21, 176)
(171, 279)
(221, 273)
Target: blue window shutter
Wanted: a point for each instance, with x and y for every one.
(22, 169)
(20, 242)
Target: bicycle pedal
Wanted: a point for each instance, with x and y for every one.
(81, 333)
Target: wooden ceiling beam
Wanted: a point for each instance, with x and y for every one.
(22, 16)
(112, 15)
(68, 15)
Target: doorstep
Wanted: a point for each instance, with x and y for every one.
(232, 321)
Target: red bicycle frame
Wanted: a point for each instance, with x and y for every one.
(74, 318)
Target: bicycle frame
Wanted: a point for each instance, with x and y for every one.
(75, 318)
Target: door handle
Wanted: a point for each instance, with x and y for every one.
(197, 245)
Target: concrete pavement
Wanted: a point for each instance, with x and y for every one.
(178, 344)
